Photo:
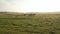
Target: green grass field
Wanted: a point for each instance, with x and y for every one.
(39, 24)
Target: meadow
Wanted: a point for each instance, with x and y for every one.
(38, 24)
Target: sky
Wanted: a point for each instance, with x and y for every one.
(30, 5)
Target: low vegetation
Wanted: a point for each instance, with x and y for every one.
(36, 24)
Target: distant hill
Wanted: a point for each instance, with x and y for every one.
(3, 12)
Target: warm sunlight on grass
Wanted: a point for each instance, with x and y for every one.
(29, 24)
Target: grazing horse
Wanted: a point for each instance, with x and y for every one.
(31, 14)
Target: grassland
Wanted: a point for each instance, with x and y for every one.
(38, 24)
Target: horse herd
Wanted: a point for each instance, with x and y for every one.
(16, 15)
